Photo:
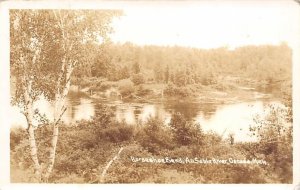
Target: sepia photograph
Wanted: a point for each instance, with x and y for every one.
(155, 92)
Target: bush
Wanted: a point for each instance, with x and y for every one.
(212, 138)
(106, 85)
(138, 79)
(106, 128)
(155, 136)
(185, 133)
(274, 132)
(170, 89)
(208, 79)
(142, 91)
(103, 119)
(183, 91)
(126, 87)
(116, 134)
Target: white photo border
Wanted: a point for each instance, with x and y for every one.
(5, 98)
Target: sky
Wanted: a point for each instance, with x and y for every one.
(205, 24)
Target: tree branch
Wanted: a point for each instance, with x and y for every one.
(60, 116)
(108, 165)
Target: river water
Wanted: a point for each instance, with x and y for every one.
(222, 118)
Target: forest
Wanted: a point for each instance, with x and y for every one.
(54, 52)
(182, 71)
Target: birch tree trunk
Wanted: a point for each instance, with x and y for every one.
(62, 89)
(60, 108)
(30, 130)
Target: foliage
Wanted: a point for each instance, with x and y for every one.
(136, 68)
(46, 45)
(188, 66)
(116, 134)
(85, 148)
(126, 87)
(154, 136)
(142, 90)
(138, 79)
(185, 133)
(274, 131)
(173, 90)
(102, 119)
(16, 136)
(42, 43)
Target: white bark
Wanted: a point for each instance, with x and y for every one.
(102, 177)
(59, 111)
(62, 89)
(30, 129)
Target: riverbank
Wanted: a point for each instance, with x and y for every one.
(226, 92)
(85, 148)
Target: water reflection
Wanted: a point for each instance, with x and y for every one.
(84, 111)
(125, 114)
(79, 109)
(234, 118)
(221, 118)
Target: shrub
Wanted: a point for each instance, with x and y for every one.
(274, 132)
(106, 85)
(142, 91)
(212, 138)
(116, 134)
(183, 91)
(126, 87)
(138, 79)
(103, 119)
(155, 136)
(184, 132)
(170, 89)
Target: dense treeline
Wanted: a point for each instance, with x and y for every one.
(183, 66)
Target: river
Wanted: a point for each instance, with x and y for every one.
(222, 118)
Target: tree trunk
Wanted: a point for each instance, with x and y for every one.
(33, 153)
(59, 111)
(52, 153)
(30, 130)
(62, 89)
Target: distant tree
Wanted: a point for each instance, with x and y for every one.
(172, 77)
(167, 74)
(158, 71)
(136, 67)
(124, 72)
(102, 64)
(181, 78)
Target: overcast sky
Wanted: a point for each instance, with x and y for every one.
(209, 24)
